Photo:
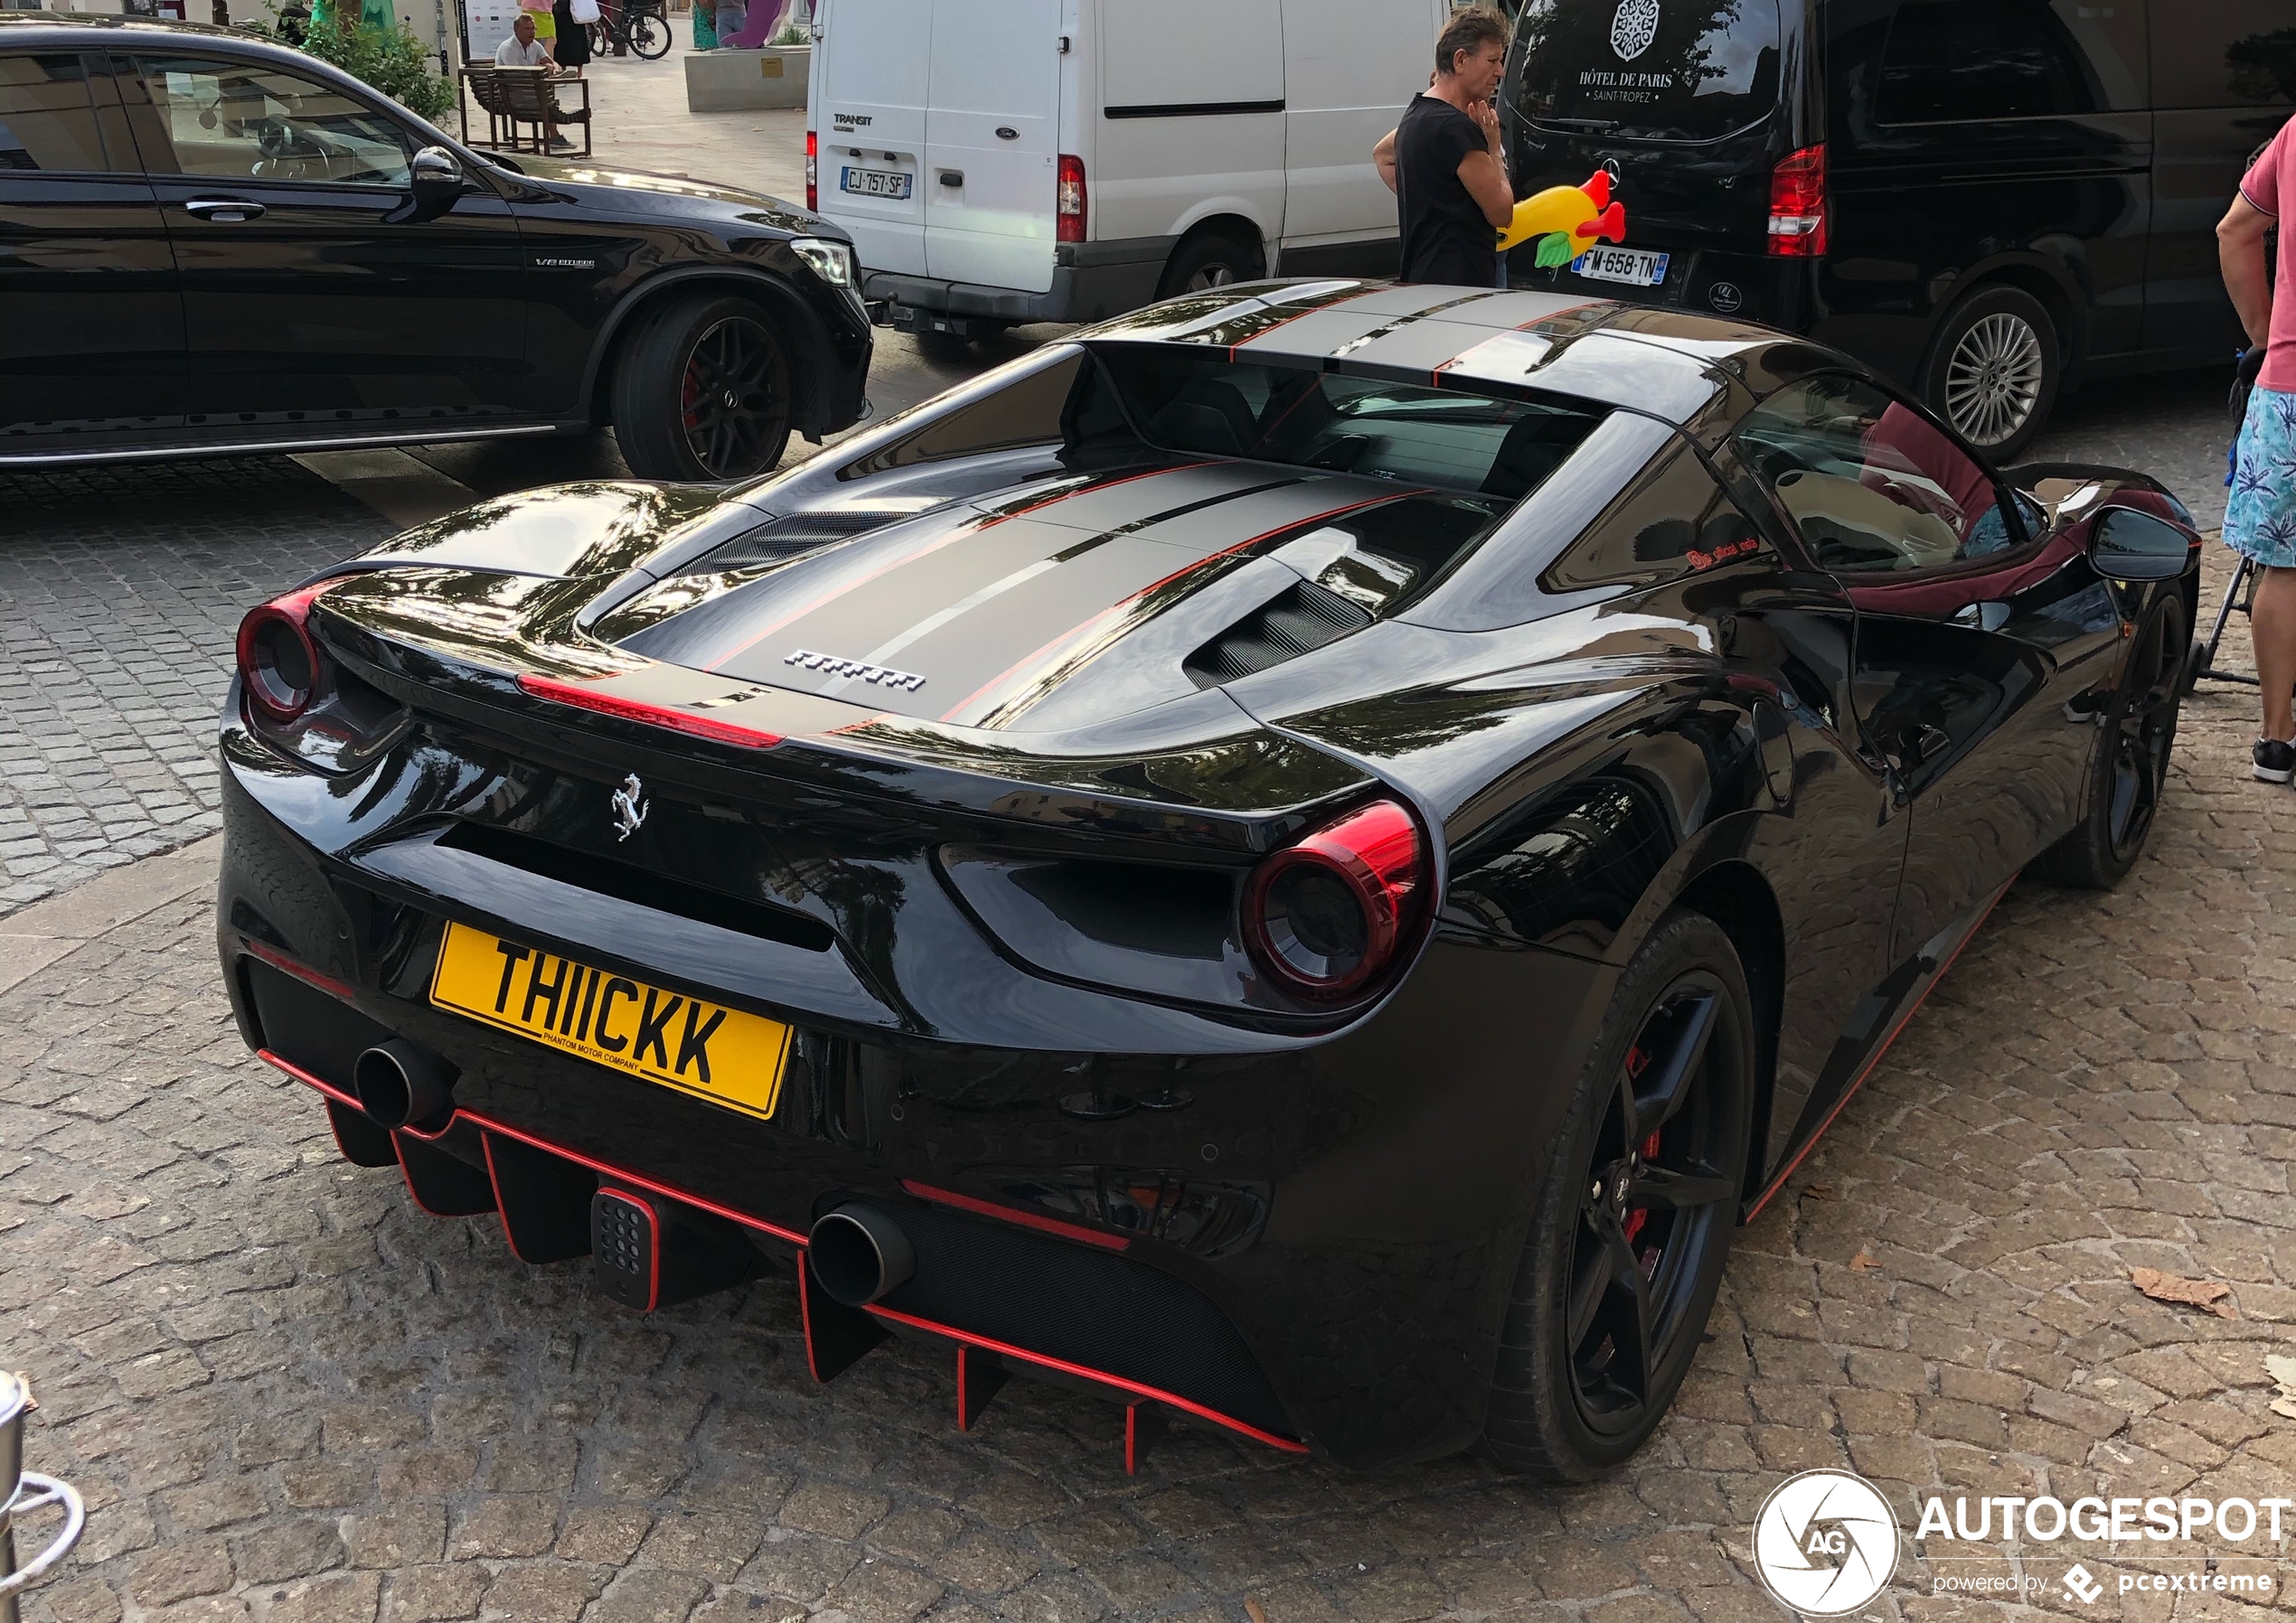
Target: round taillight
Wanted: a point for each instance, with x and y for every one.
(1325, 916)
(280, 664)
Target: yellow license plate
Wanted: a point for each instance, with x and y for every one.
(720, 1054)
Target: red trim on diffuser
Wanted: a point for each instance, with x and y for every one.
(638, 1180)
(986, 1344)
(280, 961)
(1867, 1070)
(305, 1078)
(413, 1194)
(990, 1208)
(1043, 1361)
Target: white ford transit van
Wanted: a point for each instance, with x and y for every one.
(1002, 161)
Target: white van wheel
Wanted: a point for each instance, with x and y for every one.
(1207, 262)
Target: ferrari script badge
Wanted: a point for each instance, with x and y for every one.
(629, 810)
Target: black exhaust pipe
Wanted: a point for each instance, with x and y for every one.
(398, 1085)
(859, 1253)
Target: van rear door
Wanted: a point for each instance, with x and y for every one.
(1682, 98)
(1349, 68)
(869, 100)
(991, 157)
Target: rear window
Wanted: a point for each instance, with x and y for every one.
(1197, 400)
(1643, 70)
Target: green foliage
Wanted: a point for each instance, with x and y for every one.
(392, 60)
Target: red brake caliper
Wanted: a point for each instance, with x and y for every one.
(1635, 1062)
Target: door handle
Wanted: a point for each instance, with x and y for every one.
(224, 210)
(951, 177)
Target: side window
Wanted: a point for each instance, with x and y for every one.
(47, 121)
(1871, 485)
(1673, 520)
(2226, 53)
(241, 121)
(1954, 60)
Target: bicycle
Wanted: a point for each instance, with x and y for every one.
(632, 28)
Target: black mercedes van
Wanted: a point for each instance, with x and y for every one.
(1990, 199)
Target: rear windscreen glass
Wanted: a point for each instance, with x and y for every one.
(1192, 399)
(1643, 70)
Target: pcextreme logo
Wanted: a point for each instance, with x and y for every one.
(1825, 1543)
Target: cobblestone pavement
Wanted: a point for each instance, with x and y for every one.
(119, 593)
(293, 1399)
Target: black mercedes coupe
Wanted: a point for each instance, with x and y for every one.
(211, 244)
(1301, 858)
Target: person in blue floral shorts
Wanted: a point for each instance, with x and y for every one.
(2260, 518)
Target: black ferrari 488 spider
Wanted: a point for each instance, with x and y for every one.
(1301, 858)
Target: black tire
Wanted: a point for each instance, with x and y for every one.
(601, 40)
(1994, 369)
(702, 392)
(1207, 261)
(1587, 1362)
(650, 36)
(2130, 769)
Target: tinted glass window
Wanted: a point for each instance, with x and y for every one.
(2225, 54)
(250, 121)
(1197, 400)
(1027, 411)
(1870, 484)
(46, 120)
(1674, 519)
(1949, 61)
(1636, 67)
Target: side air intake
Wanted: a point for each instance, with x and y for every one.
(1299, 618)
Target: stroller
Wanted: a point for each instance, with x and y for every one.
(2241, 592)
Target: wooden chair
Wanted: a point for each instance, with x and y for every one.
(532, 100)
(479, 82)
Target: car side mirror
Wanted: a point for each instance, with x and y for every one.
(2129, 545)
(435, 180)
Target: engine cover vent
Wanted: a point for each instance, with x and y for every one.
(1286, 627)
(778, 541)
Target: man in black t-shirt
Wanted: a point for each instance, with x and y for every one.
(1444, 163)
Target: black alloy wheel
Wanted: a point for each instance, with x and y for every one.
(2131, 767)
(732, 394)
(1624, 1261)
(703, 392)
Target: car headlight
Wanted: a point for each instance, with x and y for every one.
(833, 262)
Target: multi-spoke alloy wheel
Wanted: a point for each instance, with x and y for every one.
(2138, 732)
(702, 390)
(1625, 1256)
(734, 396)
(1660, 1194)
(2144, 731)
(1993, 379)
(1993, 371)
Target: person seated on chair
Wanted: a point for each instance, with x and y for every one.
(522, 49)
